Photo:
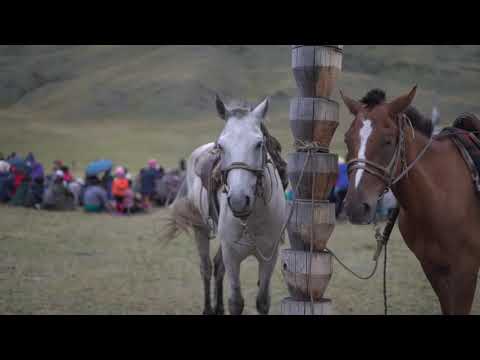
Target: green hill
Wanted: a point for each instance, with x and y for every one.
(111, 93)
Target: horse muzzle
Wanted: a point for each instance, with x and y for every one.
(360, 213)
(240, 205)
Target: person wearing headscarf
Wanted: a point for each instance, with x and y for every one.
(120, 186)
(95, 199)
(4, 166)
(57, 196)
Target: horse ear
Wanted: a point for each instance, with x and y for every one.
(353, 106)
(261, 109)
(221, 109)
(402, 102)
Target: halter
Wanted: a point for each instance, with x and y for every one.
(387, 174)
(258, 172)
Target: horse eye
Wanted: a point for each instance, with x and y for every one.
(259, 144)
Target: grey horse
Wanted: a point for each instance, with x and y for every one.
(251, 205)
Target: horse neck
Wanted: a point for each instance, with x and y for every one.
(417, 182)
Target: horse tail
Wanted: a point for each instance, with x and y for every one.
(182, 191)
(182, 217)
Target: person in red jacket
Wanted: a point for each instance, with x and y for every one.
(120, 187)
(19, 176)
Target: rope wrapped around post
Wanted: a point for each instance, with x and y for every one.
(307, 146)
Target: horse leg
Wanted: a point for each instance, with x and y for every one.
(232, 267)
(465, 284)
(265, 275)
(455, 288)
(219, 273)
(203, 245)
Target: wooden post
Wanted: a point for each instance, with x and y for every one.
(307, 267)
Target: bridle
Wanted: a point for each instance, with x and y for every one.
(258, 172)
(387, 174)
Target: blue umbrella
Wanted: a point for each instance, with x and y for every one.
(17, 161)
(20, 164)
(99, 166)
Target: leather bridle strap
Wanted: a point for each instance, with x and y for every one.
(386, 174)
(258, 172)
(243, 166)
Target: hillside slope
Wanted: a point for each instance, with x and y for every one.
(79, 83)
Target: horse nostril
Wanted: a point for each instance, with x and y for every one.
(247, 201)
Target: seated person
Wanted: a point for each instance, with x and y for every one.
(107, 182)
(57, 196)
(35, 193)
(95, 198)
(67, 175)
(147, 178)
(21, 193)
(18, 174)
(6, 184)
(120, 186)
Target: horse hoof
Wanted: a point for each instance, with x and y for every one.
(220, 311)
(208, 312)
(235, 307)
(263, 306)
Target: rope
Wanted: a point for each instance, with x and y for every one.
(312, 307)
(351, 271)
(284, 228)
(304, 146)
(385, 279)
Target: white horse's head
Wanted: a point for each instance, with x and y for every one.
(244, 154)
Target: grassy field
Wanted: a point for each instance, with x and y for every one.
(131, 103)
(73, 263)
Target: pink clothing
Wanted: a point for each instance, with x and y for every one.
(129, 199)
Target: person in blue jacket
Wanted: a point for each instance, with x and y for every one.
(341, 186)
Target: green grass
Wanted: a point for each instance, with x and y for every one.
(72, 263)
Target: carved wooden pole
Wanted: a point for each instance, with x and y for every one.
(307, 267)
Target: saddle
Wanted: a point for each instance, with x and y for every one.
(465, 134)
(207, 168)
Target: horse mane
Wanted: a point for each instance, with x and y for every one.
(419, 122)
(239, 108)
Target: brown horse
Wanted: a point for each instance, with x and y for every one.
(390, 145)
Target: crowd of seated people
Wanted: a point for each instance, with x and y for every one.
(23, 182)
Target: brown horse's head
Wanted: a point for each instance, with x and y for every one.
(372, 140)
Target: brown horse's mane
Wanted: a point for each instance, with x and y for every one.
(420, 122)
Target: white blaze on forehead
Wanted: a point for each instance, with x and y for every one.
(365, 133)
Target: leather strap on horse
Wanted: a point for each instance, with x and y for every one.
(386, 174)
